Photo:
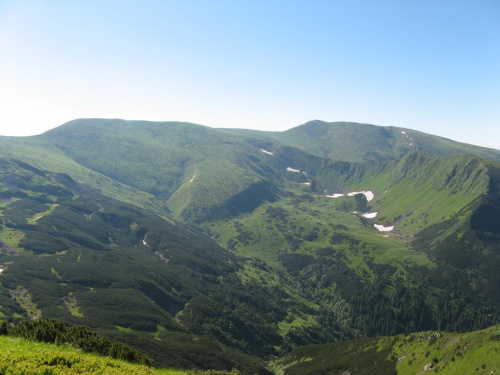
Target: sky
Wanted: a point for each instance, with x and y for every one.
(428, 65)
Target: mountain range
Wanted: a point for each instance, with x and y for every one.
(220, 248)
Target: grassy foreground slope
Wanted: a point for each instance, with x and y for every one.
(415, 353)
(20, 356)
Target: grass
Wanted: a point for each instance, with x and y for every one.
(71, 304)
(357, 142)
(40, 155)
(450, 353)
(23, 298)
(307, 227)
(11, 237)
(19, 356)
(33, 220)
(442, 352)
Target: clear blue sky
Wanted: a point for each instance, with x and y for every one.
(430, 65)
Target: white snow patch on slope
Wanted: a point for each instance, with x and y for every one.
(194, 176)
(305, 183)
(368, 194)
(1, 270)
(335, 195)
(381, 228)
(290, 169)
(402, 132)
(266, 152)
(370, 215)
(144, 240)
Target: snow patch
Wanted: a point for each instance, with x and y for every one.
(144, 240)
(335, 195)
(305, 183)
(370, 215)
(266, 152)
(290, 169)
(1, 270)
(381, 228)
(194, 176)
(411, 144)
(402, 132)
(368, 194)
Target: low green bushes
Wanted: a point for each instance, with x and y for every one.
(81, 337)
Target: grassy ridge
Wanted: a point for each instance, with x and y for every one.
(20, 356)
(43, 156)
(355, 142)
(447, 353)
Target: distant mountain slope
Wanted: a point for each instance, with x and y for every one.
(351, 141)
(151, 161)
(198, 172)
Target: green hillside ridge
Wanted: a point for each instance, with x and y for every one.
(148, 163)
(40, 155)
(416, 353)
(356, 142)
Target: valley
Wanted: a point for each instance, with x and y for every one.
(228, 248)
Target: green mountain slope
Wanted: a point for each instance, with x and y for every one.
(350, 141)
(339, 260)
(107, 215)
(150, 163)
(75, 255)
(416, 353)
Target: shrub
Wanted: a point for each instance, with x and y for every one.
(3, 327)
(81, 337)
